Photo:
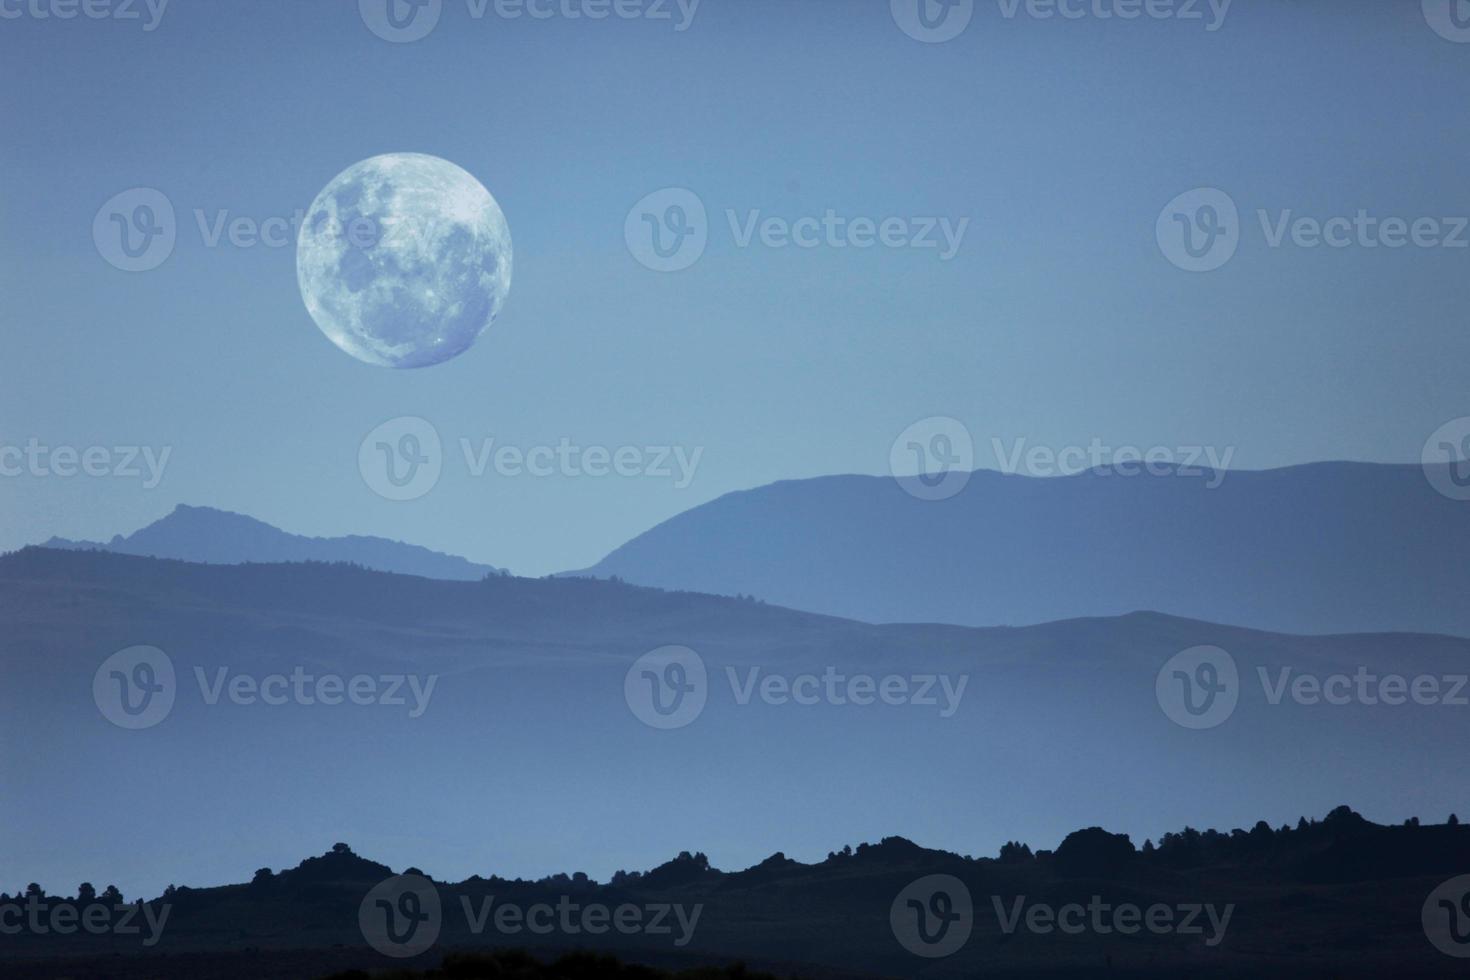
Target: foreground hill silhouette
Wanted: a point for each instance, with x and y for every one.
(525, 749)
(1324, 548)
(1339, 897)
(205, 534)
(573, 966)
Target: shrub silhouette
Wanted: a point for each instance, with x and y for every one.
(1093, 853)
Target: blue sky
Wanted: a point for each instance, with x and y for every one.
(1058, 320)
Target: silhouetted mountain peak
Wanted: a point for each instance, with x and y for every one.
(338, 864)
(209, 535)
(682, 870)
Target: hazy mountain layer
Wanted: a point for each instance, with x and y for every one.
(1335, 547)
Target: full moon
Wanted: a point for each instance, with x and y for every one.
(404, 260)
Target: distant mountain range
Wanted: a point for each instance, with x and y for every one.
(1324, 548)
(218, 537)
(1335, 897)
(510, 723)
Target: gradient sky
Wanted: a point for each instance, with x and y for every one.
(1059, 321)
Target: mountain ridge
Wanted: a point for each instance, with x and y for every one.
(1309, 549)
(209, 535)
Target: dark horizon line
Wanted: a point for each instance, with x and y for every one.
(1340, 816)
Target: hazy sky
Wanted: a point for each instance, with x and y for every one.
(1058, 320)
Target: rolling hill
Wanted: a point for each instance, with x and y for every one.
(481, 710)
(1325, 548)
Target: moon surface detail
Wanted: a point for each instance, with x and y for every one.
(404, 260)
